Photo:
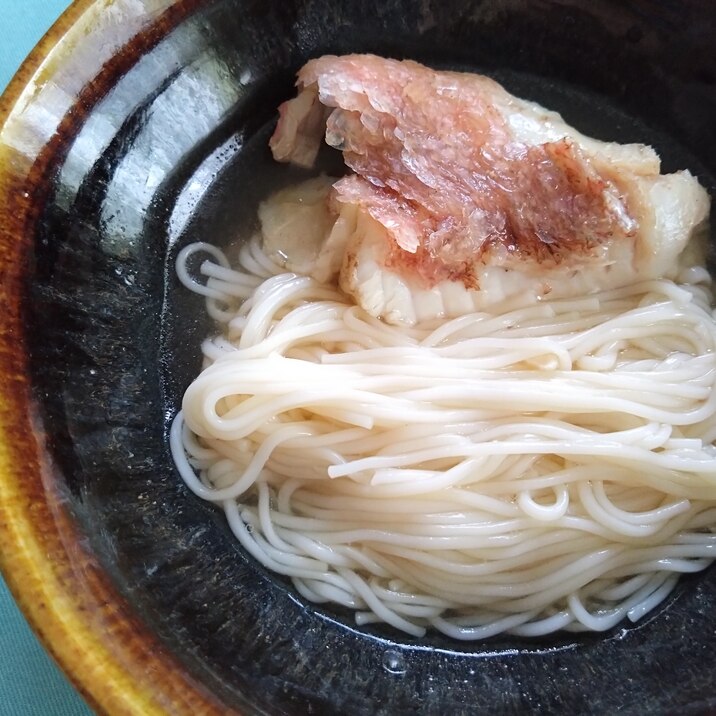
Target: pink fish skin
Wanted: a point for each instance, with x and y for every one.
(461, 175)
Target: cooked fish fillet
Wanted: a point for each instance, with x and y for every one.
(463, 196)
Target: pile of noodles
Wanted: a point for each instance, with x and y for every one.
(535, 468)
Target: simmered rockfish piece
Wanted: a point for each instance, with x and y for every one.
(463, 196)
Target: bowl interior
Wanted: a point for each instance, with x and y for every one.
(175, 151)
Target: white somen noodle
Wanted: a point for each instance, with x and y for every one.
(539, 467)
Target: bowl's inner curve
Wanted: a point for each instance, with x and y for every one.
(176, 151)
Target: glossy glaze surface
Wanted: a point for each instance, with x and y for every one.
(112, 161)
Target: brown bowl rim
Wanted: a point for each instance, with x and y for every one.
(111, 657)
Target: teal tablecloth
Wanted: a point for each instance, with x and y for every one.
(30, 682)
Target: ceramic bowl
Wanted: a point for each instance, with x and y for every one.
(138, 126)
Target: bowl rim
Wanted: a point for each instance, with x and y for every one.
(110, 656)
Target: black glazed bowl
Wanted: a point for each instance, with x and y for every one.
(137, 128)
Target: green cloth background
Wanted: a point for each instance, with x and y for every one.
(30, 682)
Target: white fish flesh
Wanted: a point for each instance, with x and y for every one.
(462, 197)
